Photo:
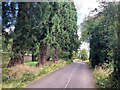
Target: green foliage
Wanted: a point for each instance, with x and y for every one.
(51, 23)
(103, 77)
(69, 61)
(64, 55)
(5, 56)
(102, 31)
(83, 54)
(74, 55)
(5, 59)
(4, 75)
(64, 28)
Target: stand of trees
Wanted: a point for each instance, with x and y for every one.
(37, 27)
(103, 32)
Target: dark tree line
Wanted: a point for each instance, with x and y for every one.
(103, 32)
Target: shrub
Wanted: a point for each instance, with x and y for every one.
(69, 61)
(64, 55)
(83, 54)
(102, 76)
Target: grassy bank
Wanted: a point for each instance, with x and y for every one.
(103, 77)
(31, 63)
(19, 76)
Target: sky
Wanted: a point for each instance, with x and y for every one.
(83, 9)
(85, 6)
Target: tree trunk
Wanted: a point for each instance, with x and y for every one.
(42, 54)
(56, 56)
(70, 56)
(33, 56)
(15, 61)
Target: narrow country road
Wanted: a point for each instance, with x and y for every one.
(76, 75)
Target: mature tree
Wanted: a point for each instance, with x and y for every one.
(64, 28)
(34, 27)
(42, 34)
(70, 39)
(103, 34)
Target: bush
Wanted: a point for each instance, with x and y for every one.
(102, 76)
(69, 61)
(82, 55)
(64, 55)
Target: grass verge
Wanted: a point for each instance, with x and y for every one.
(21, 75)
(103, 77)
(31, 63)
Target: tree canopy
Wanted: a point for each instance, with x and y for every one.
(103, 33)
(40, 24)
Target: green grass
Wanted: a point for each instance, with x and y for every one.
(31, 63)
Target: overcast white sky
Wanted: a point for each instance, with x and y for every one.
(83, 9)
(84, 6)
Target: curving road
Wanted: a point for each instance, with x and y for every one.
(76, 75)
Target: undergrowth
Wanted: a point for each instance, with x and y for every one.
(103, 77)
(21, 75)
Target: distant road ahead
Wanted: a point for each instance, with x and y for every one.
(76, 75)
